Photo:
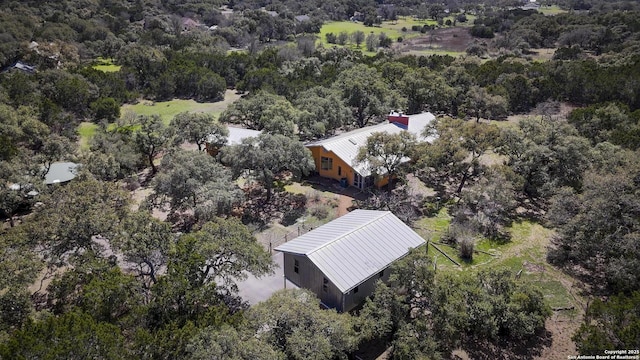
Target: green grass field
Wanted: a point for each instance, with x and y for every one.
(392, 29)
(551, 10)
(526, 252)
(86, 130)
(434, 51)
(351, 27)
(166, 109)
(106, 65)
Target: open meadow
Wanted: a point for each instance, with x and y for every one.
(165, 109)
(449, 40)
(106, 65)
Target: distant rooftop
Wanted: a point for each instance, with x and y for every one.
(24, 67)
(61, 172)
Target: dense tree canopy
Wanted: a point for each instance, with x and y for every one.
(124, 284)
(199, 129)
(71, 216)
(195, 183)
(599, 229)
(152, 138)
(293, 318)
(263, 111)
(266, 157)
(385, 153)
(609, 324)
(365, 93)
(435, 315)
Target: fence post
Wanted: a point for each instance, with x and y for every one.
(270, 252)
(285, 237)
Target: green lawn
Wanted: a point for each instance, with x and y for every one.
(392, 29)
(434, 51)
(350, 27)
(106, 65)
(526, 252)
(166, 109)
(86, 130)
(551, 10)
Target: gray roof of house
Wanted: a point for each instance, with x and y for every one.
(236, 135)
(24, 67)
(60, 172)
(356, 246)
(346, 146)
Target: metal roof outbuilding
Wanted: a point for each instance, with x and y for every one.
(351, 249)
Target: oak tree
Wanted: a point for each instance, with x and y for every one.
(266, 156)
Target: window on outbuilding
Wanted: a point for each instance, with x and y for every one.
(296, 266)
(381, 273)
(326, 163)
(325, 284)
(355, 290)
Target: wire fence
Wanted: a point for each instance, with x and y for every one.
(277, 241)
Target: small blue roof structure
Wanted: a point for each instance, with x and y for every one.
(61, 172)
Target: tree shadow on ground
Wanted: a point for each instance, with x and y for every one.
(283, 206)
(329, 185)
(505, 349)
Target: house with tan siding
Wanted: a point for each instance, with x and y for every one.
(335, 156)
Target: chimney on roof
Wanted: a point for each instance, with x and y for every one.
(398, 118)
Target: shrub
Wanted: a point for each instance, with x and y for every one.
(314, 195)
(482, 31)
(466, 246)
(475, 49)
(319, 211)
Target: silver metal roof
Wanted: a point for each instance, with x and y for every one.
(236, 135)
(60, 172)
(347, 145)
(356, 246)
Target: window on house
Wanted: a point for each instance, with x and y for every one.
(355, 290)
(326, 163)
(381, 274)
(325, 284)
(339, 170)
(296, 266)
